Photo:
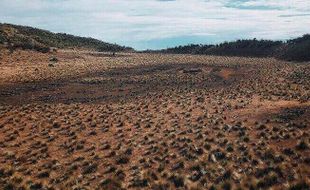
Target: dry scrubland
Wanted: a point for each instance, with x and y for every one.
(94, 121)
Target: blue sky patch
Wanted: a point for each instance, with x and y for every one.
(155, 24)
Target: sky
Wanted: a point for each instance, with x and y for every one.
(156, 24)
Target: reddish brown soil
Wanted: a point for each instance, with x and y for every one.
(151, 121)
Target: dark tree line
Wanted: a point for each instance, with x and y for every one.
(292, 50)
(296, 50)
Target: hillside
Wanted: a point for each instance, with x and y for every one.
(32, 38)
(292, 50)
(243, 48)
(24, 37)
(297, 49)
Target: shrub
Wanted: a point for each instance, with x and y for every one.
(2, 39)
(300, 186)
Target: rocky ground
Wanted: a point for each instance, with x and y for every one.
(84, 120)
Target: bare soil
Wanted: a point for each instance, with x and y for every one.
(152, 121)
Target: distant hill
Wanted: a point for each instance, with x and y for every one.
(292, 50)
(296, 50)
(32, 38)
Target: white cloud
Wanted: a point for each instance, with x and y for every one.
(302, 5)
(135, 21)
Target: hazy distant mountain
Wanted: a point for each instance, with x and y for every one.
(32, 38)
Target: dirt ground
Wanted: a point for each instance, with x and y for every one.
(89, 120)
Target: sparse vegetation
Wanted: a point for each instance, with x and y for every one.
(41, 40)
(152, 121)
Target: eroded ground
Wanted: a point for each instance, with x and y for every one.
(94, 121)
